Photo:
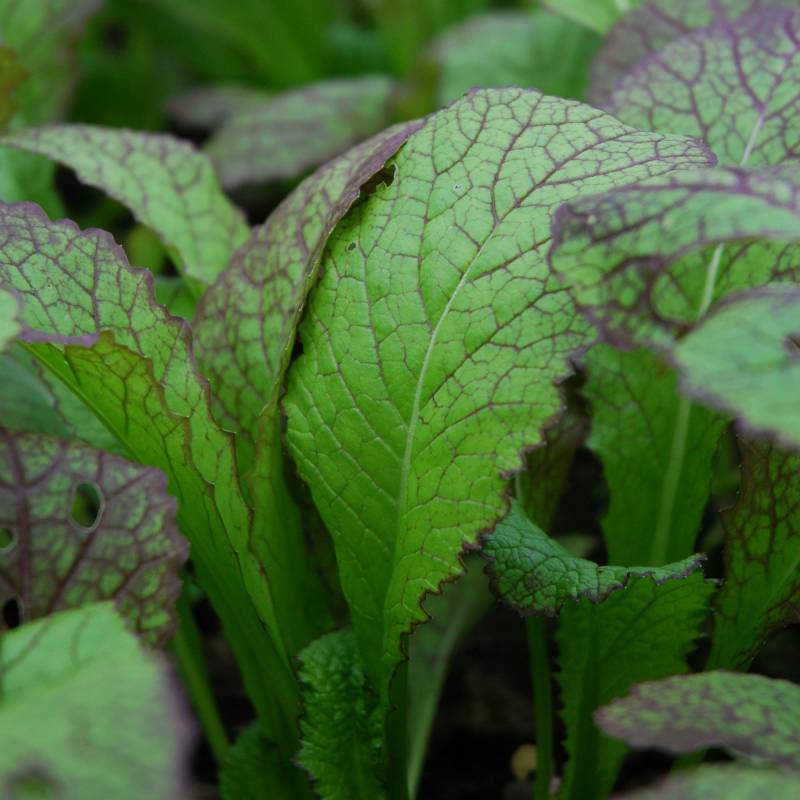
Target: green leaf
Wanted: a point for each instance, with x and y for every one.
(652, 26)
(750, 716)
(208, 107)
(87, 526)
(285, 136)
(599, 15)
(743, 358)
(421, 384)
(762, 580)
(341, 727)
(513, 48)
(732, 782)
(92, 321)
(535, 574)
(12, 74)
(254, 766)
(246, 322)
(656, 451)
(166, 183)
(175, 294)
(643, 632)
(9, 321)
(86, 712)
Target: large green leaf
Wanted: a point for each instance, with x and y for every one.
(86, 712)
(166, 183)
(643, 632)
(513, 48)
(743, 358)
(341, 725)
(599, 15)
(658, 486)
(9, 322)
(63, 554)
(732, 782)
(536, 575)
(750, 716)
(434, 339)
(288, 134)
(92, 321)
(245, 325)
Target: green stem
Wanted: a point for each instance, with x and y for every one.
(187, 648)
(397, 735)
(538, 651)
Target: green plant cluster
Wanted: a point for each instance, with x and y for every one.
(492, 241)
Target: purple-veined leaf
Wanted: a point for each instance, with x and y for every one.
(752, 717)
(300, 129)
(652, 26)
(87, 712)
(63, 556)
(435, 336)
(245, 324)
(167, 184)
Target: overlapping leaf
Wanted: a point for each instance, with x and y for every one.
(246, 322)
(86, 712)
(93, 322)
(167, 184)
(210, 106)
(641, 633)
(433, 341)
(599, 15)
(652, 26)
(9, 322)
(750, 716)
(130, 553)
(12, 74)
(287, 135)
(536, 575)
(657, 493)
(744, 358)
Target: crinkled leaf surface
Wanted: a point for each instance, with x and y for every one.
(751, 716)
(599, 15)
(86, 712)
(513, 48)
(246, 322)
(762, 582)
(642, 632)
(743, 358)
(166, 183)
(645, 261)
(652, 26)
(535, 574)
(9, 322)
(657, 494)
(287, 135)
(434, 338)
(92, 321)
(129, 551)
(341, 727)
(733, 782)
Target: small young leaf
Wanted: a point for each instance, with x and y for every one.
(762, 555)
(435, 336)
(246, 322)
(643, 632)
(743, 358)
(285, 136)
(513, 48)
(652, 26)
(341, 728)
(599, 15)
(166, 183)
(729, 781)
(750, 716)
(131, 552)
(86, 712)
(659, 486)
(535, 574)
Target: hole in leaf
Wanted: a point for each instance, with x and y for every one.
(7, 539)
(12, 613)
(792, 345)
(87, 503)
